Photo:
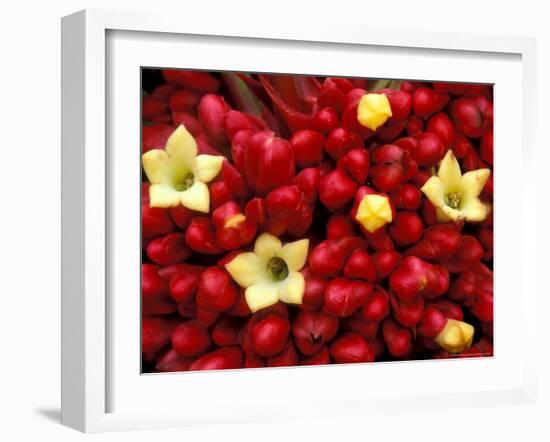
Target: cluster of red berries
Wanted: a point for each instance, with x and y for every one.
(298, 164)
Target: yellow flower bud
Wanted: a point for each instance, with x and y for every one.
(373, 110)
(373, 212)
(455, 337)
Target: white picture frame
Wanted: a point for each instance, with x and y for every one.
(90, 172)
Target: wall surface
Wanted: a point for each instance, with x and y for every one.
(30, 217)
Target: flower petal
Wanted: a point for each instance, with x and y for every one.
(196, 197)
(434, 189)
(473, 209)
(292, 288)
(182, 147)
(267, 246)
(247, 269)
(207, 167)
(261, 295)
(449, 172)
(163, 195)
(157, 166)
(295, 254)
(474, 181)
(447, 213)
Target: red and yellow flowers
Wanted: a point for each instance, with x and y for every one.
(297, 220)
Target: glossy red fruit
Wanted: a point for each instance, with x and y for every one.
(415, 124)
(427, 102)
(407, 314)
(190, 338)
(222, 359)
(200, 236)
(308, 146)
(411, 278)
(398, 339)
(155, 221)
(184, 100)
(385, 262)
(172, 361)
(329, 256)
(468, 117)
(236, 121)
(268, 162)
(486, 147)
(351, 347)
(253, 361)
(287, 357)
(360, 265)
(333, 93)
(439, 242)
(308, 183)
(341, 140)
(226, 332)
(376, 308)
(442, 126)
(430, 149)
(468, 253)
(234, 180)
(357, 324)
(270, 335)
(314, 291)
(391, 166)
(312, 329)
(155, 333)
(322, 357)
(152, 107)
(336, 189)
(407, 197)
(153, 287)
(200, 81)
(212, 110)
(406, 229)
(400, 103)
(233, 229)
(216, 291)
(325, 120)
(433, 321)
(356, 163)
(340, 225)
(184, 284)
(168, 249)
(343, 296)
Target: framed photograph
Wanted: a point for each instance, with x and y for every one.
(292, 224)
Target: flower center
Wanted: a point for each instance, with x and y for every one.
(277, 268)
(453, 199)
(187, 182)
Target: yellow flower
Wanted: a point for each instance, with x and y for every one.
(271, 273)
(373, 212)
(456, 196)
(455, 337)
(178, 175)
(373, 110)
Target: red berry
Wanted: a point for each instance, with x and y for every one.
(270, 335)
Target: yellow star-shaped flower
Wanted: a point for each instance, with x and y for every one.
(373, 110)
(178, 175)
(271, 272)
(456, 196)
